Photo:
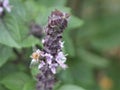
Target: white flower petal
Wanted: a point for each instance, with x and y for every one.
(5, 3)
(53, 70)
(49, 61)
(41, 64)
(61, 44)
(64, 66)
(49, 58)
(43, 41)
(1, 10)
(53, 67)
(8, 9)
(61, 57)
(34, 61)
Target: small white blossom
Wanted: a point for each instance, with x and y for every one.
(1, 9)
(61, 44)
(61, 59)
(48, 58)
(43, 41)
(53, 67)
(6, 5)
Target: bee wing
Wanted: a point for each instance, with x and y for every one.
(33, 63)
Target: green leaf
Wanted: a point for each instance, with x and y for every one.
(34, 9)
(7, 69)
(16, 28)
(34, 71)
(107, 41)
(30, 86)
(106, 33)
(93, 60)
(82, 73)
(53, 3)
(1, 87)
(71, 87)
(66, 76)
(5, 54)
(74, 22)
(69, 46)
(15, 81)
(5, 37)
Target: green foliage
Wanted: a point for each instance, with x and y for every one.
(15, 81)
(70, 87)
(5, 54)
(5, 37)
(92, 44)
(29, 85)
(93, 60)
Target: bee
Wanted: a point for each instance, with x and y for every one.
(36, 55)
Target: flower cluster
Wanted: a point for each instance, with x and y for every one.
(51, 57)
(4, 5)
(52, 54)
(47, 59)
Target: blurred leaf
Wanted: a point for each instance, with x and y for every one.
(71, 87)
(74, 22)
(15, 28)
(82, 73)
(22, 67)
(5, 53)
(2, 88)
(34, 71)
(7, 69)
(30, 86)
(93, 60)
(15, 81)
(66, 76)
(106, 33)
(34, 9)
(5, 37)
(69, 47)
(107, 42)
(19, 10)
(53, 3)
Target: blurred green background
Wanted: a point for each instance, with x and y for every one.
(92, 42)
